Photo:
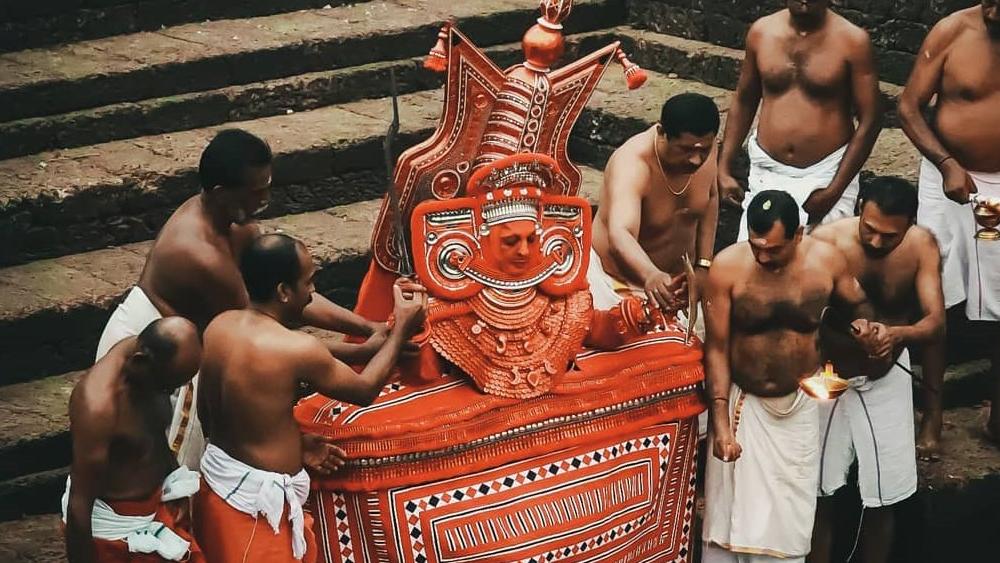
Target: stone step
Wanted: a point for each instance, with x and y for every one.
(216, 54)
(34, 24)
(33, 539)
(52, 311)
(79, 199)
(279, 96)
(667, 55)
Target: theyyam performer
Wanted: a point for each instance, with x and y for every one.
(507, 439)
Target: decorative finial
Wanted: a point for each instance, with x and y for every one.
(634, 76)
(554, 12)
(437, 60)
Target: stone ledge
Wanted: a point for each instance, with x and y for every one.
(227, 52)
(35, 24)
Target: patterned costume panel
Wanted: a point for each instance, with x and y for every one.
(625, 498)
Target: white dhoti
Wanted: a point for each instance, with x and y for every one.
(766, 173)
(762, 506)
(970, 268)
(608, 291)
(184, 436)
(872, 422)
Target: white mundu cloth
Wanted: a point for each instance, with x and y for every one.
(184, 435)
(766, 173)
(761, 507)
(970, 268)
(873, 423)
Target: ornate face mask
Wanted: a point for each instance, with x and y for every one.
(510, 233)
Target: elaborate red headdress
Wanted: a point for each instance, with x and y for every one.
(491, 113)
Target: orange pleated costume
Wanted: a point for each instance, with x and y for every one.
(226, 534)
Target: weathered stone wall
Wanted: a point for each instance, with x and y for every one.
(897, 27)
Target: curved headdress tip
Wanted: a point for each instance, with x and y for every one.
(492, 175)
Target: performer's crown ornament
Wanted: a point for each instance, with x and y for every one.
(492, 113)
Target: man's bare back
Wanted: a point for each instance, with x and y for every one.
(800, 76)
(668, 223)
(192, 268)
(138, 457)
(249, 379)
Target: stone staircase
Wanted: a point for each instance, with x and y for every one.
(102, 121)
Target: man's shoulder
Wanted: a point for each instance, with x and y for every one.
(822, 253)
(837, 232)
(922, 239)
(948, 28)
(847, 29)
(732, 256)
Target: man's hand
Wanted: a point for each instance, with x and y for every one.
(730, 191)
(958, 185)
(666, 291)
(725, 446)
(410, 301)
(320, 455)
(820, 202)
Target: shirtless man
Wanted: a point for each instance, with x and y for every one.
(959, 62)
(763, 304)
(658, 203)
(253, 365)
(122, 467)
(814, 72)
(898, 266)
(191, 270)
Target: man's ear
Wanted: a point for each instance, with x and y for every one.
(284, 292)
(801, 230)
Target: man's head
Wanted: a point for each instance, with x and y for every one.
(515, 246)
(278, 270)
(991, 16)
(689, 122)
(888, 209)
(235, 172)
(807, 9)
(168, 353)
(775, 232)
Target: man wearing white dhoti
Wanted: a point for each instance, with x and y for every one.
(898, 266)
(763, 305)
(958, 65)
(192, 270)
(811, 72)
(658, 204)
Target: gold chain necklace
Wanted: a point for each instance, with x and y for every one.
(663, 172)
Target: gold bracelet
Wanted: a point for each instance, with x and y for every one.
(723, 399)
(703, 263)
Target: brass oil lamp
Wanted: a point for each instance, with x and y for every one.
(824, 385)
(987, 214)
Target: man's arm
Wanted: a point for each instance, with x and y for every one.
(930, 327)
(623, 185)
(325, 314)
(923, 84)
(867, 107)
(91, 427)
(717, 304)
(742, 110)
(705, 242)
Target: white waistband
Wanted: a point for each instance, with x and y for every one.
(143, 533)
(255, 491)
(759, 157)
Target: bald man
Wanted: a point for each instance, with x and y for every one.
(126, 499)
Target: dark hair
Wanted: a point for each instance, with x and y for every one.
(769, 206)
(893, 196)
(269, 261)
(689, 113)
(225, 160)
(157, 342)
